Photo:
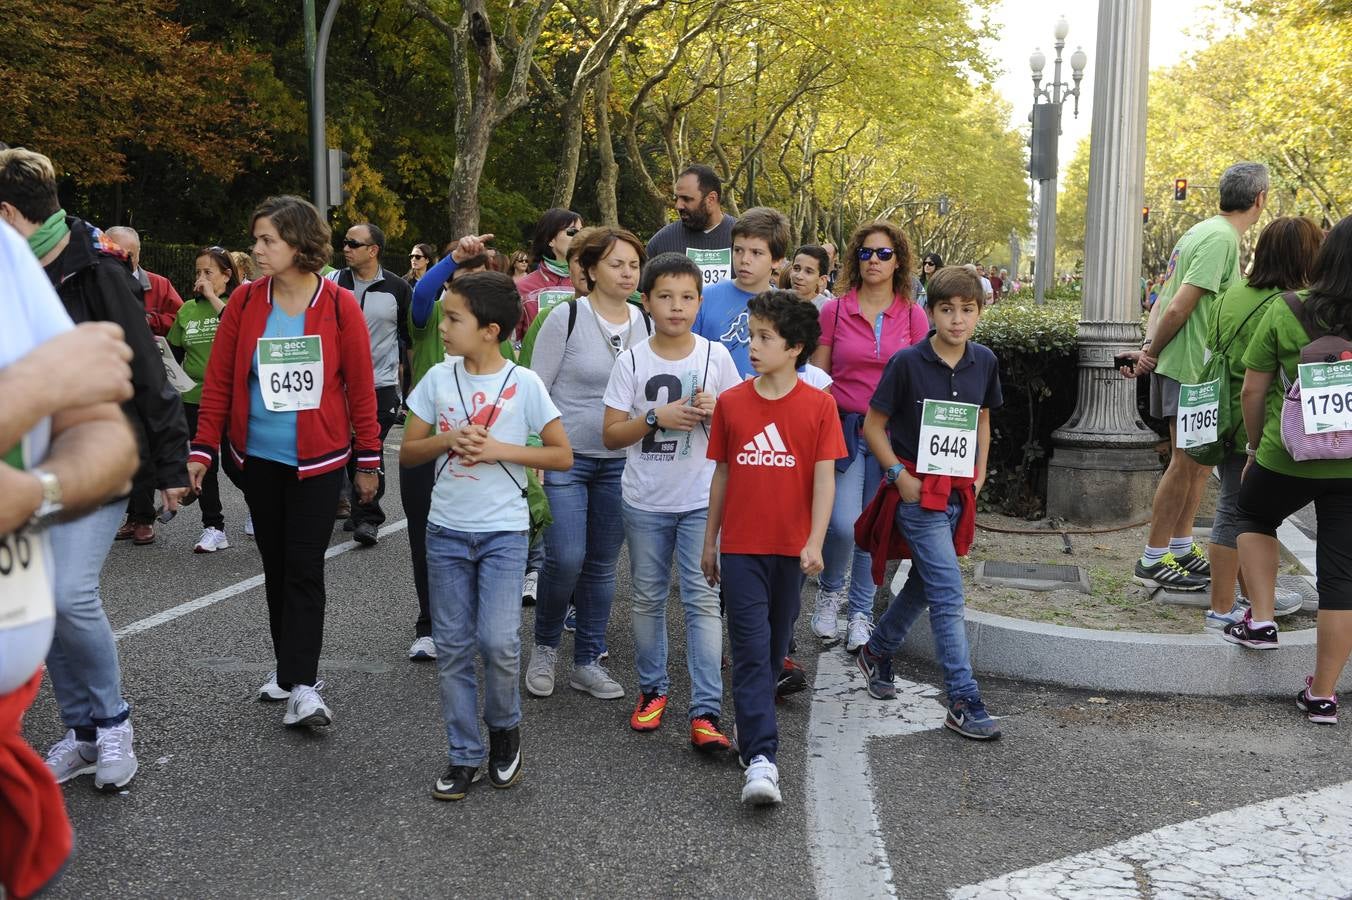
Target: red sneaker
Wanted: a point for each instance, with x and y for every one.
(648, 713)
(705, 735)
(792, 679)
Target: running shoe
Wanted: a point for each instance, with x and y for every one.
(858, 632)
(570, 619)
(530, 587)
(1195, 561)
(706, 736)
(595, 680)
(504, 757)
(454, 785)
(1246, 635)
(71, 757)
(540, 671)
(647, 714)
(212, 539)
(761, 785)
(826, 612)
(271, 690)
(968, 717)
(422, 648)
(117, 763)
(1317, 709)
(1285, 601)
(878, 672)
(1167, 574)
(306, 707)
(792, 679)
(1217, 620)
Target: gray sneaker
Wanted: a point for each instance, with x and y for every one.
(117, 763)
(70, 758)
(827, 610)
(595, 680)
(858, 632)
(540, 672)
(1287, 601)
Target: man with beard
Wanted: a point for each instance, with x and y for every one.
(704, 232)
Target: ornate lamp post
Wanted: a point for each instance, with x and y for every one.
(1042, 161)
(1104, 468)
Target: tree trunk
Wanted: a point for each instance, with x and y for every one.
(565, 180)
(610, 171)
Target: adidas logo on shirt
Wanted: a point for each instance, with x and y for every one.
(767, 449)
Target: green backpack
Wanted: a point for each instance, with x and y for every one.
(1217, 369)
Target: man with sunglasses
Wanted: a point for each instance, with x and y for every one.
(384, 298)
(703, 232)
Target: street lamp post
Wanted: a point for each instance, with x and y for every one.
(1104, 468)
(1042, 162)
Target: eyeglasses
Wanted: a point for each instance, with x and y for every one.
(416, 256)
(571, 232)
(929, 264)
(353, 245)
(884, 253)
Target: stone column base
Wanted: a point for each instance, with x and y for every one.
(1101, 487)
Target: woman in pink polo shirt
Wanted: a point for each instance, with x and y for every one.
(861, 330)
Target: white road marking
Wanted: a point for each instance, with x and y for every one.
(845, 840)
(225, 593)
(1287, 847)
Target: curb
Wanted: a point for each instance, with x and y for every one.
(1134, 661)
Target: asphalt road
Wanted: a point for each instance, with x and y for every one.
(228, 802)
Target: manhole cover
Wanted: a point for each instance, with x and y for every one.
(1033, 576)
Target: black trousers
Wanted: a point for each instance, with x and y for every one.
(293, 520)
(213, 515)
(387, 413)
(415, 493)
(141, 501)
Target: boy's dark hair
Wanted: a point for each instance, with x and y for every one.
(819, 254)
(666, 265)
(709, 182)
(795, 321)
(28, 183)
(492, 299)
(955, 281)
(770, 225)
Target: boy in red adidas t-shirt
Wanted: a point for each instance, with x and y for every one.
(776, 441)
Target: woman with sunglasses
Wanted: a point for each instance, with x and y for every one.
(420, 258)
(520, 264)
(549, 283)
(929, 264)
(861, 330)
(190, 338)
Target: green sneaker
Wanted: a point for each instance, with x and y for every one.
(1169, 575)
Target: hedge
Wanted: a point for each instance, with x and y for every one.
(1036, 347)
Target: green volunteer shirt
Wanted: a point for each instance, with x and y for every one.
(1276, 344)
(1207, 257)
(1238, 313)
(193, 330)
(427, 347)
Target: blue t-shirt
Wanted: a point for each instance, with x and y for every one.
(513, 404)
(917, 374)
(723, 317)
(272, 435)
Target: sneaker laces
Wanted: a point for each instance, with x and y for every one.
(65, 745)
(112, 743)
(1170, 562)
(975, 708)
(545, 654)
(829, 600)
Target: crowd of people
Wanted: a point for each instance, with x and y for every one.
(748, 413)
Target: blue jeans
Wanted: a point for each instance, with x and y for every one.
(86, 678)
(934, 580)
(474, 595)
(654, 538)
(855, 487)
(581, 549)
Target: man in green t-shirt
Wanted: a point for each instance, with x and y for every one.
(1204, 263)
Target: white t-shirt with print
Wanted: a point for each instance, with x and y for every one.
(668, 471)
(513, 404)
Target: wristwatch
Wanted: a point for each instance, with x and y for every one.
(893, 473)
(651, 419)
(51, 507)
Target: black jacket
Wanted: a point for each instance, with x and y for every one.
(93, 277)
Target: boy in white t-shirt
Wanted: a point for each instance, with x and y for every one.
(471, 414)
(658, 404)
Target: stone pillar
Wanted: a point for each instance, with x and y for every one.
(1103, 469)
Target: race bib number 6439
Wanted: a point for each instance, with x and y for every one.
(291, 372)
(948, 439)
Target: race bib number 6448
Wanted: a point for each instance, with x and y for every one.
(948, 439)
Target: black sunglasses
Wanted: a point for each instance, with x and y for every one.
(571, 232)
(353, 245)
(884, 253)
(416, 256)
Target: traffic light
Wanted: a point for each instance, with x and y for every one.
(1180, 189)
(1145, 215)
(338, 161)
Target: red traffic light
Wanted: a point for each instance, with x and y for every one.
(1145, 215)
(1180, 189)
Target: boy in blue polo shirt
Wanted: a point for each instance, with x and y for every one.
(929, 425)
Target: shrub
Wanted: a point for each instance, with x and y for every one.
(1036, 349)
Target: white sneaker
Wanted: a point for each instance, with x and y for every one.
(117, 763)
(824, 617)
(248, 526)
(761, 787)
(540, 672)
(306, 707)
(423, 648)
(1287, 601)
(595, 680)
(858, 632)
(212, 539)
(529, 588)
(271, 690)
(70, 758)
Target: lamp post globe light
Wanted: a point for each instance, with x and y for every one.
(1042, 160)
(1104, 468)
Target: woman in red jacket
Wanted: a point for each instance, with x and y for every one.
(291, 358)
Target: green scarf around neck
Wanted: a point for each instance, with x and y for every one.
(49, 234)
(558, 268)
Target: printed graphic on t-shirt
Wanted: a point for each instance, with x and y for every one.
(481, 412)
(739, 332)
(767, 449)
(200, 331)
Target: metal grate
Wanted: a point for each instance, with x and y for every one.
(1032, 571)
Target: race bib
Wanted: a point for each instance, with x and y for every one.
(551, 299)
(25, 588)
(714, 265)
(1326, 396)
(291, 372)
(1199, 413)
(178, 379)
(948, 439)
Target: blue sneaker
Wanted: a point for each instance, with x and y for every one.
(878, 671)
(570, 619)
(968, 717)
(1221, 620)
